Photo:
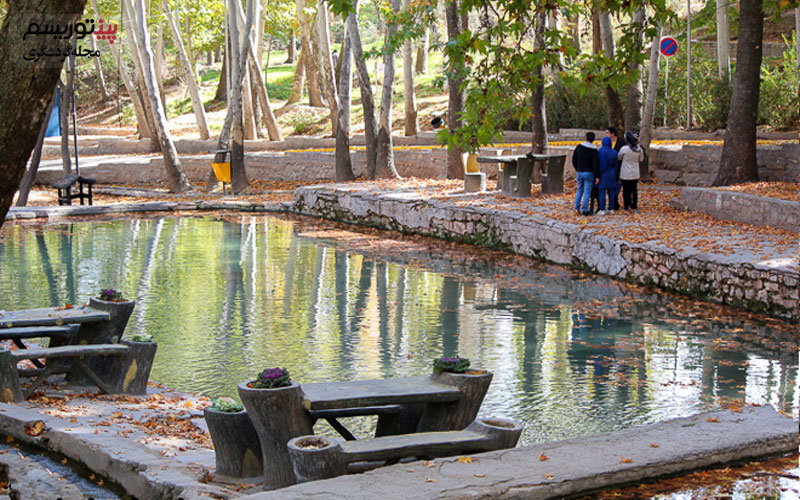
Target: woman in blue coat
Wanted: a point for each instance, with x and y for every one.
(609, 174)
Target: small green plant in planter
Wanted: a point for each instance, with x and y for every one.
(451, 365)
(226, 405)
(142, 338)
(272, 378)
(111, 295)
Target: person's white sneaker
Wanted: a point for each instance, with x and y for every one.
(601, 212)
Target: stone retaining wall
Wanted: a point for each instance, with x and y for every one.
(739, 207)
(697, 165)
(743, 285)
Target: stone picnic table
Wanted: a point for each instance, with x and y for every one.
(518, 171)
(404, 406)
(84, 342)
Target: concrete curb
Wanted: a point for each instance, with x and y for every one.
(571, 467)
(142, 472)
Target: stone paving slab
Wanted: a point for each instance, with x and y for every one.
(99, 433)
(571, 467)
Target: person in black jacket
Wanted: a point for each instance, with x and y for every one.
(586, 162)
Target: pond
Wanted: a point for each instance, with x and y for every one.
(572, 353)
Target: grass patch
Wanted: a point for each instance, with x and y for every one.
(210, 75)
(279, 82)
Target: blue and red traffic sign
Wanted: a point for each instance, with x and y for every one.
(668, 47)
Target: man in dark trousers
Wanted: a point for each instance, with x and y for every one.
(586, 163)
(617, 144)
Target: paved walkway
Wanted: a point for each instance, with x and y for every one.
(555, 470)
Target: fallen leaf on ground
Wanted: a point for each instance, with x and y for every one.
(626, 460)
(464, 460)
(543, 457)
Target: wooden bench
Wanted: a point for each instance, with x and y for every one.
(64, 187)
(315, 457)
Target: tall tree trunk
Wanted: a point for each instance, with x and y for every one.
(159, 61)
(189, 49)
(723, 40)
(539, 139)
(138, 107)
(307, 52)
(101, 82)
(409, 97)
(64, 107)
(344, 167)
(142, 123)
(247, 108)
(298, 82)
(27, 86)
(327, 63)
(650, 105)
(175, 177)
(222, 86)
(268, 117)
(575, 33)
(633, 106)
(191, 83)
(456, 96)
(239, 180)
(30, 174)
(613, 102)
(738, 160)
(131, 36)
(421, 66)
(291, 50)
(367, 99)
(384, 166)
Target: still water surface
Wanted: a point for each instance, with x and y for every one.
(571, 354)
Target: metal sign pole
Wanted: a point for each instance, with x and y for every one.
(666, 90)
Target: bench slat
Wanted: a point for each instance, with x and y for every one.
(357, 412)
(406, 445)
(68, 351)
(360, 393)
(34, 332)
(50, 316)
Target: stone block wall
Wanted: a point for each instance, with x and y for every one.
(746, 208)
(692, 165)
(745, 285)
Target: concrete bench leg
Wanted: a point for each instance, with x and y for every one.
(475, 182)
(457, 415)
(10, 391)
(131, 371)
(237, 450)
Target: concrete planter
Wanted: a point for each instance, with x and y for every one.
(237, 449)
(131, 373)
(278, 416)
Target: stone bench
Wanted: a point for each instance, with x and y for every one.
(128, 373)
(440, 402)
(316, 457)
